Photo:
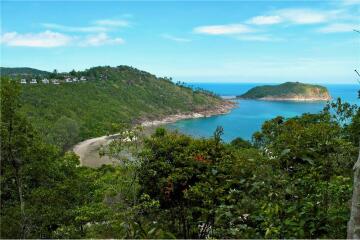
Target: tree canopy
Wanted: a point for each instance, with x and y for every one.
(293, 180)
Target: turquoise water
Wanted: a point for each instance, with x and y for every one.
(249, 115)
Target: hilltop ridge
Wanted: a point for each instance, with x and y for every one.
(24, 71)
(70, 112)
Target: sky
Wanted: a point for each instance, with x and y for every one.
(191, 41)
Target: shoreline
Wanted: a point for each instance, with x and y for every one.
(288, 99)
(88, 150)
(219, 110)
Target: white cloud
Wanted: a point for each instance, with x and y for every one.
(64, 28)
(176, 39)
(45, 39)
(303, 16)
(259, 38)
(351, 2)
(338, 28)
(112, 23)
(103, 25)
(265, 20)
(101, 39)
(49, 39)
(223, 29)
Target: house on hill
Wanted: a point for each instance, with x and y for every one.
(23, 81)
(75, 79)
(33, 81)
(45, 81)
(82, 78)
(68, 80)
(55, 81)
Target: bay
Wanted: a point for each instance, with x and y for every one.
(249, 115)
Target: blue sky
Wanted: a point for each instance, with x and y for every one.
(192, 41)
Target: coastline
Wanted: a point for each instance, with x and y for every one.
(224, 108)
(292, 99)
(297, 99)
(88, 150)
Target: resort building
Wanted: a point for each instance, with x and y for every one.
(33, 81)
(68, 80)
(55, 81)
(23, 81)
(83, 78)
(45, 81)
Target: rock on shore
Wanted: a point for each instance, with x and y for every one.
(218, 110)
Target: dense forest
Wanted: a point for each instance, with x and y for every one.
(67, 113)
(293, 180)
(22, 71)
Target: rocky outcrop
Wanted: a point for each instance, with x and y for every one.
(223, 108)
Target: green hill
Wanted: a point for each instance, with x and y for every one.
(70, 112)
(289, 91)
(5, 71)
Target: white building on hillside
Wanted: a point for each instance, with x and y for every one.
(23, 81)
(75, 79)
(45, 81)
(68, 80)
(33, 81)
(55, 81)
(83, 78)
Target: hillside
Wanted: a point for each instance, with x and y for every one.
(289, 91)
(70, 112)
(5, 71)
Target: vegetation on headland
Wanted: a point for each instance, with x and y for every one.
(288, 91)
(70, 112)
(293, 180)
(22, 71)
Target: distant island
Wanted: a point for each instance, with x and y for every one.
(289, 91)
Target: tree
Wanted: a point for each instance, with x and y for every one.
(38, 186)
(73, 73)
(65, 133)
(314, 157)
(354, 222)
(11, 153)
(54, 74)
(353, 231)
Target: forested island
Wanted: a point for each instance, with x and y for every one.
(289, 91)
(294, 178)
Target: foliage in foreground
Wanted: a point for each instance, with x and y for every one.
(292, 181)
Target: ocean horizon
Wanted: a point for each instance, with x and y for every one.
(249, 115)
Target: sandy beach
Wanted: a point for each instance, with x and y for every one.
(88, 150)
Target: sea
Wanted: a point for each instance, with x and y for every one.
(249, 115)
